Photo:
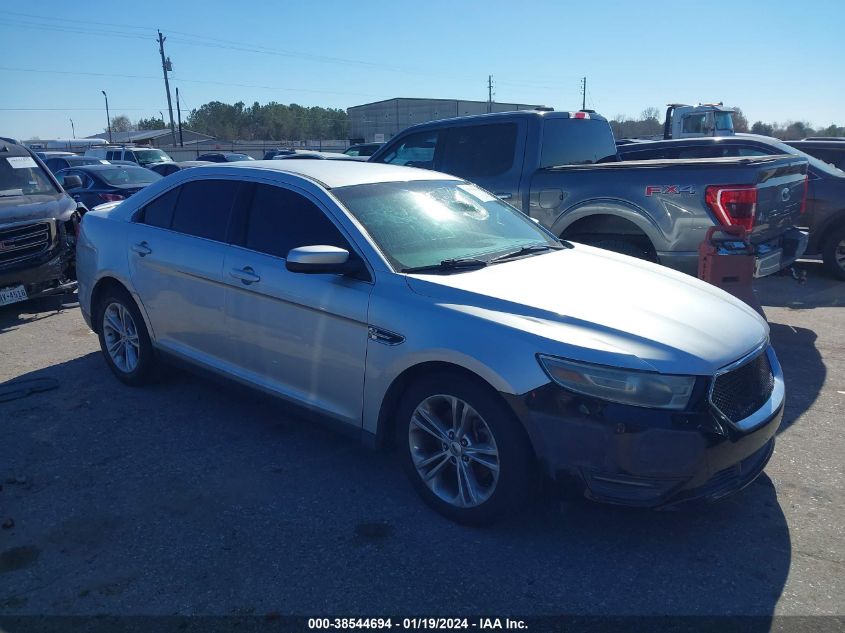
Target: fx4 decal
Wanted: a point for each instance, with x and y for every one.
(652, 190)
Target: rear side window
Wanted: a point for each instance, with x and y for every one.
(204, 207)
(480, 150)
(281, 219)
(576, 142)
(159, 212)
(415, 150)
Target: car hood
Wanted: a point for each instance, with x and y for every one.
(25, 208)
(600, 307)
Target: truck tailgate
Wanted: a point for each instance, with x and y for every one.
(780, 197)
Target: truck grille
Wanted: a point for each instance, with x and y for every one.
(24, 241)
(740, 392)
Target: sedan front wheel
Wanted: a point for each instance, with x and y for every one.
(463, 450)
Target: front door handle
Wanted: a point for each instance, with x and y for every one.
(246, 275)
(502, 195)
(142, 248)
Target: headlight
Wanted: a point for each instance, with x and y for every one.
(626, 386)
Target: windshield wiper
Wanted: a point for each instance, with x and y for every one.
(527, 250)
(460, 263)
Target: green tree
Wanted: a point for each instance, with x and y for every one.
(153, 123)
(740, 122)
(762, 128)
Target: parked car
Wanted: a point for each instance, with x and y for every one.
(825, 210)
(224, 157)
(830, 150)
(362, 149)
(94, 184)
(57, 163)
(272, 153)
(38, 223)
(413, 306)
(144, 156)
(562, 169)
(165, 169)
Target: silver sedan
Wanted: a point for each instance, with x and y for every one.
(415, 309)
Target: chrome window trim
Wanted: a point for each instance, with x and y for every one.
(776, 398)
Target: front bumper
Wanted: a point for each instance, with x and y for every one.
(644, 457)
(53, 276)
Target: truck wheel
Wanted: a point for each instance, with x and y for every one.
(463, 450)
(626, 247)
(124, 339)
(833, 253)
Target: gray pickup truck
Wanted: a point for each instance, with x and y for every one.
(562, 169)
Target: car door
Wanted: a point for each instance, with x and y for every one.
(490, 155)
(301, 336)
(176, 247)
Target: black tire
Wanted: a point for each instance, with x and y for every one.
(146, 361)
(631, 248)
(516, 464)
(835, 242)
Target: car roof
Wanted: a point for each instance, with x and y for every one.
(100, 167)
(8, 148)
(331, 173)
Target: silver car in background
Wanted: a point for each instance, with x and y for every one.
(415, 308)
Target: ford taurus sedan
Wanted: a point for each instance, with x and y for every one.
(415, 308)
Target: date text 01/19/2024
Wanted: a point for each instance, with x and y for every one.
(416, 623)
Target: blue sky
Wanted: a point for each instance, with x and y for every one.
(777, 59)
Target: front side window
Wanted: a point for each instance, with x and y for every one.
(159, 212)
(280, 220)
(422, 223)
(204, 207)
(479, 151)
(414, 150)
(694, 124)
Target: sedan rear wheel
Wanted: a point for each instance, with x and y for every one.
(833, 253)
(464, 451)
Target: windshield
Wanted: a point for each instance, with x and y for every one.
(128, 176)
(21, 176)
(724, 121)
(820, 165)
(236, 157)
(149, 156)
(423, 223)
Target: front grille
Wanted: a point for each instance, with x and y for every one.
(24, 241)
(740, 392)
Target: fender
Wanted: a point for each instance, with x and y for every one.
(615, 207)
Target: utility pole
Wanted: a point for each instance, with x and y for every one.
(72, 129)
(584, 93)
(108, 118)
(165, 66)
(489, 93)
(179, 118)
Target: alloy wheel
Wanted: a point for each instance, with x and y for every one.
(454, 451)
(121, 337)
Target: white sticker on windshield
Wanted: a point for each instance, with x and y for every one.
(477, 192)
(105, 162)
(21, 162)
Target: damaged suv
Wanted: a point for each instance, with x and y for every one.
(38, 226)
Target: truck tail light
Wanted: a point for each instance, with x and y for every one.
(110, 197)
(804, 197)
(734, 205)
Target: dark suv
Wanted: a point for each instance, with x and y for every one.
(825, 212)
(38, 225)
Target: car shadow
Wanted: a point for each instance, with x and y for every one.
(16, 314)
(141, 496)
(818, 290)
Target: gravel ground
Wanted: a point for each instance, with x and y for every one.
(192, 497)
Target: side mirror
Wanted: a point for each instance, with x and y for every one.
(71, 182)
(320, 259)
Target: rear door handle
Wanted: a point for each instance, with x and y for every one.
(503, 195)
(246, 275)
(142, 248)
